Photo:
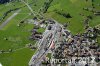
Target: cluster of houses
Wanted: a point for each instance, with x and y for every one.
(35, 34)
(37, 25)
(79, 45)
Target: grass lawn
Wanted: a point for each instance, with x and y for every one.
(18, 58)
(37, 4)
(6, 7)
(12, 5)
(75, 8)
(17, 37)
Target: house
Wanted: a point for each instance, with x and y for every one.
(42, 25)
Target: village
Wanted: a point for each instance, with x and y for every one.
(65, 45)
(48, 33)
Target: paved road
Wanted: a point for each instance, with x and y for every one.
(36, 60)
(8, 20)
(45, 42)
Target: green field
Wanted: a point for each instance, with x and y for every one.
(18, 58)
(75, 8)
(18, 37)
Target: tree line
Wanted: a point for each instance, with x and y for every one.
(46, 6)
(4, 1)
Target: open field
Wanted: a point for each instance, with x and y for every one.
(75, 8)
(18, 58)
(17, 37)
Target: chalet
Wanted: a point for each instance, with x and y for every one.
(36, 23)
(97, 14)
(49, 27)
(65, 25)
(36, 27)
(42, 25)
(35, 18)
(42, 22)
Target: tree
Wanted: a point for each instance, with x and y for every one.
(4, 1)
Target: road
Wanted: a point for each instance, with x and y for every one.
(33, 12)
(45, 42)
(8, 20)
